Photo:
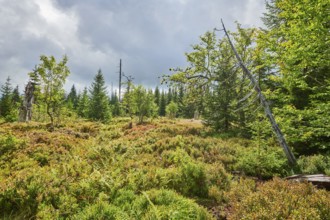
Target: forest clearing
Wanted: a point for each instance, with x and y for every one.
(238, 130)
(164, 169)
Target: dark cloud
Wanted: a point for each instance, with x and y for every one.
(150, 36)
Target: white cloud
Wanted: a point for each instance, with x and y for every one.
(150, 36)
(252, 8)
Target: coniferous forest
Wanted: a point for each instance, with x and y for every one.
(198, 146)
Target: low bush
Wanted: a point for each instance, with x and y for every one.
(278, 199)
(166, 204)
(62, 174)
(190, 177)
(263, 163)
(315, 164)
(101, 210)
(9, 143)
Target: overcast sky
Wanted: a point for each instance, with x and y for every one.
(150, 36)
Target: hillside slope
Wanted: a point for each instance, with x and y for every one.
(161, 170)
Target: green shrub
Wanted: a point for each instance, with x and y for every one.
(166, 204)
(124, 198)
(42, 158)
(190, 177)
(218, 181)
(47, 212)
(193, 179)
(262, 163)
(314, 164)
(101, 210)
(22, 196)
(62, 175)
(239, 189)
(278, 199)
(9, 143)
(12, 116)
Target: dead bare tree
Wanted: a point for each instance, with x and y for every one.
(264, 103)
(26, 108)
(129, 99)
(120, 75)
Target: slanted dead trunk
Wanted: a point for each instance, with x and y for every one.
(264, 103)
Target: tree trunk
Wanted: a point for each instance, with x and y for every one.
(277, 130)
(49, 113)
(25, 114)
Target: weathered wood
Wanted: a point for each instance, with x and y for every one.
(120, 74)
(264, 103)
(319, 180)
(26, 108)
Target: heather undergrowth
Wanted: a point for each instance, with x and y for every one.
(163, 169)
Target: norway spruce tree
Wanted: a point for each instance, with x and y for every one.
(99, 108)
(83, 104)
(157, 96)
(72, 98)
(16, 96)
(162, 105)
(296, 43)
(115, 104)
(6, 103)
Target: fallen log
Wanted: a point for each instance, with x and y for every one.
(319, 180)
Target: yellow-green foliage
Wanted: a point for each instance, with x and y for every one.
(166, 204)
(278, 199)
(315, 164)
(262, 162)
(88, 170)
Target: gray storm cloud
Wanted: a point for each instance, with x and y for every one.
(150, 36)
